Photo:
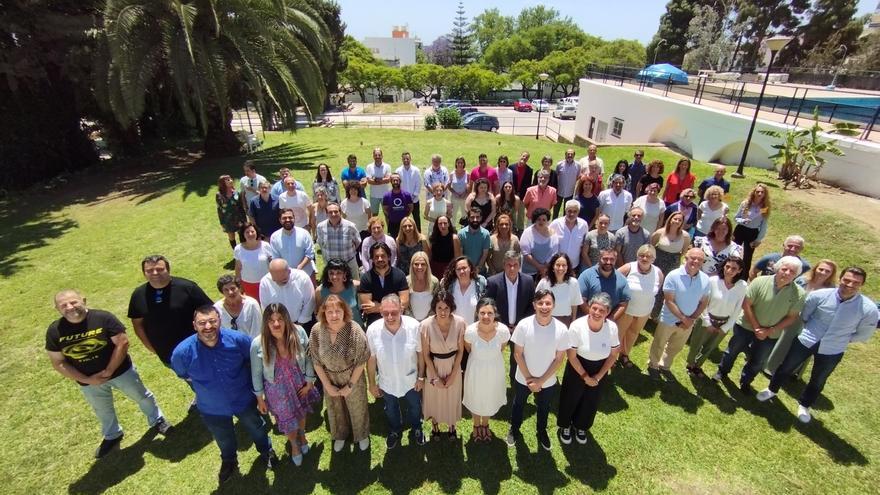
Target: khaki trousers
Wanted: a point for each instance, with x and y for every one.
(669, 340)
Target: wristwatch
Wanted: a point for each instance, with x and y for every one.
(421, 378)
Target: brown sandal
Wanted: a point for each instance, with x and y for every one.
(487, 434)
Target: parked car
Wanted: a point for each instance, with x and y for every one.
(565, 111)
(522, 105)
(466, 109)
(570, 100)
(481, 122)
(449, 103)
(540, 105)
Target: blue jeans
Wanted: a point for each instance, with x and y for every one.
(413, 413)
(744, 340)
(223, 431)
(100, 397)
(542, 402)
(823, 365)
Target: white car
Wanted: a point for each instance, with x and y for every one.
(540, 105)
(570, 100)
(565, 111)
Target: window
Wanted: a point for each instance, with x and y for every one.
(617, 127)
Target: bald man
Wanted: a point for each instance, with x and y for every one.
(717, 179)
(90, 347)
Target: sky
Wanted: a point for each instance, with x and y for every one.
(627, 19)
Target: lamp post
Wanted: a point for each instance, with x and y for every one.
(774, 44)
(541, 78)
(833, 84)
(363, 99)
(657, 49)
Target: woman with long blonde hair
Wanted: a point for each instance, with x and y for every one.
(752, 219)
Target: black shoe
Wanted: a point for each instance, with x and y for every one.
(227, 469)
(667, 375)
(565, 435)
(106, 446)
(271, 460)
(392, 440)
(581, 437)
(654, 374)
(544, 440)
(746, 389)
(163, 426)
(416, 437)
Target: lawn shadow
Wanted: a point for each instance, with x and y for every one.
(539, 468)
(612, 401)
(709, 390)
(403, 468)
(489, 463)
(27, 220)
(446, 460)
(297, 479)
(253, 481)
(114, 468)
(589, 464)
(635, 383)
(187, 437)
(674, 393)
(349, 471)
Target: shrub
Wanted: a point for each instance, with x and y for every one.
(449, 118)
(430, 122)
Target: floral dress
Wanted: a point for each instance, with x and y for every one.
(230, 211)
(284, 402)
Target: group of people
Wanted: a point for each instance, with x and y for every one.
(422, 322)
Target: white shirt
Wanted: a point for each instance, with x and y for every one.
(254, 183)
(615, 206)
(704, 224)
(299, 203)
(396, 354)
(512, 288)
(466, 302)
(254, 262)
(651, 218)
(590, 345)
(566, 177)
(356, 212)
(379, 172)
(566, 294)
(249, 321)
(410, 181)
(540, 345)
(368, 242)
(297, 295)
(571, 240)
(724, 301)
(585, 164)
(294, 247)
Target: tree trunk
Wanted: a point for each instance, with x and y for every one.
(220, 140)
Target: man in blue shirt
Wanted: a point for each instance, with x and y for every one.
(355, 175)
(475, 240)
(263, 211)
(278, 187)
(833, 319)
(685, 296)
(216, 361)
(602, 277)
(792, 246)
(716, 180)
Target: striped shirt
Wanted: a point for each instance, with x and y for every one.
(338, 241)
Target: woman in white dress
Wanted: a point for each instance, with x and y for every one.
(485, 383)
(711, 209)
(561, 282)
(421, 286)
(653, 206)
(356, 209)
(458, 190)
(644, 281)
(436, 207)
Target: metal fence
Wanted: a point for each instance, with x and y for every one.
(798, 103)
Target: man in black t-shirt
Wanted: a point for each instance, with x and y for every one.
(161, 310)
(382, 279)
(91, 348)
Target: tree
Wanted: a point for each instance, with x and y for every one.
(525, 72)
(709, 40)
(491, 26)
(385, 79)
(440, 51)
(476, 82)
(330, 12)
(269, 50)
(532, 17)
(868, 52)
(764, 18)
(673, 30)
(462, 51)
(831, 23)
(424, 79)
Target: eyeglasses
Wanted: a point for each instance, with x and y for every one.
(204, 323)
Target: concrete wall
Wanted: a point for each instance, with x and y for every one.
(710, 134)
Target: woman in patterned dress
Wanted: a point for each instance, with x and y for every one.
(283, 377)
(338, 348)
(230, 209)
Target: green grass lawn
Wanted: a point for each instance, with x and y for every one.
(692, 437)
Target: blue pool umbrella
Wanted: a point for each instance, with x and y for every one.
(660, 73)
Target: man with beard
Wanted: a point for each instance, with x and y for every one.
(397, 205)
(602, 277)
(90, 347)
(161, 310)
(293, 244)
(631, 237)
(263, 212)
(474, 240)
(380, 280)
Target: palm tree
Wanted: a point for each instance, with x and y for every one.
(268, 51)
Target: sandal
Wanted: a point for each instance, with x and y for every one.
(487, 434)
(435, 434)
(453, 434)
(477, 435)
(624, 361)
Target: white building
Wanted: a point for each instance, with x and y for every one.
(397, 51)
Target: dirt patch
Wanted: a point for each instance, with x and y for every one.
(862, 209)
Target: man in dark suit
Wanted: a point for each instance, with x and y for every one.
(513, 293)
(522, 174)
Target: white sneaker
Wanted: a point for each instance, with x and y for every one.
(338, 445)
(364, 444)
(765, 395)
(803, 414)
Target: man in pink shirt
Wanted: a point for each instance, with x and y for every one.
(483, 171)
(540, 196)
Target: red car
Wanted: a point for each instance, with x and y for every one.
(522, 105)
